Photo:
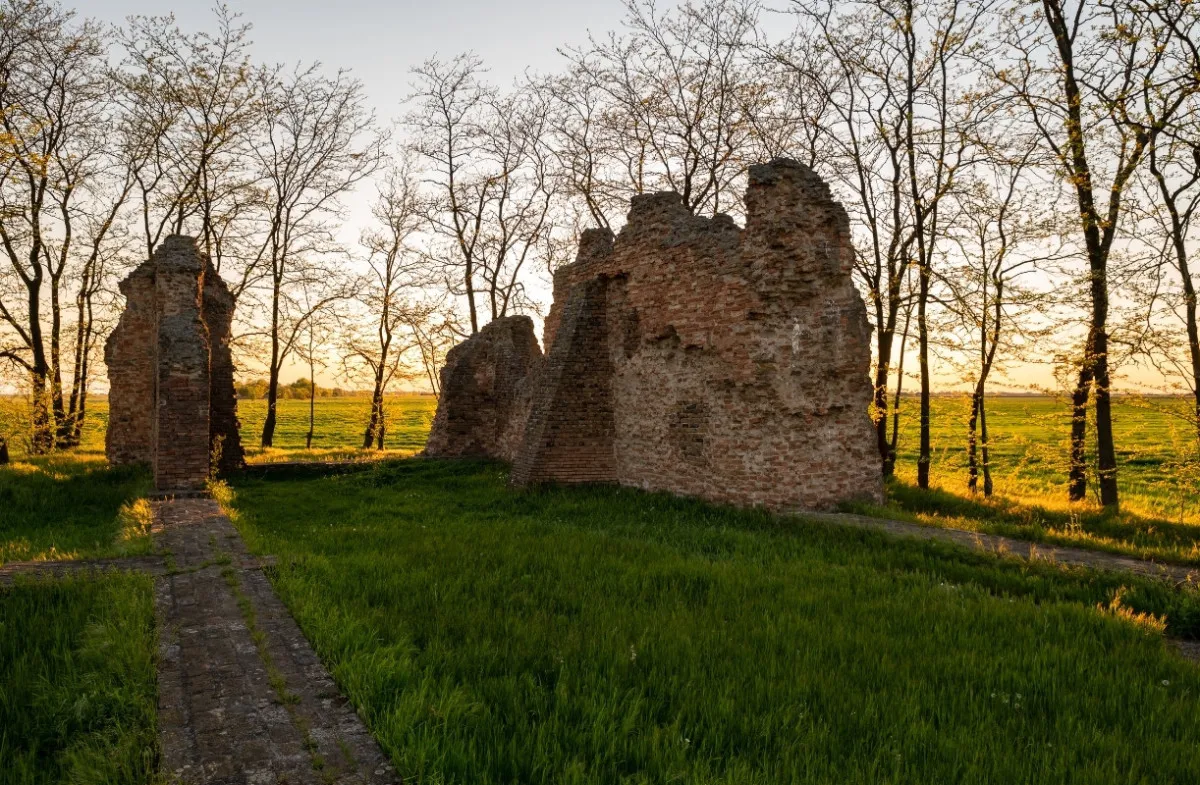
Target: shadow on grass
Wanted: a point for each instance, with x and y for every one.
(68, 506)
(1085, 526)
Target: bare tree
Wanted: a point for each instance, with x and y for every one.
(61, 192)
(395, 272)
(489, 182)
(678, 100)
(192, 103)
(893, 79)
(1005, 231)
(1174, 166)
(317, 140)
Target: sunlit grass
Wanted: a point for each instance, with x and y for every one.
(599, 635)
(68, 506)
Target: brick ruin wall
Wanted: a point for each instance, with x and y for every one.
(691, 356)
(486, 392)
(171, 396)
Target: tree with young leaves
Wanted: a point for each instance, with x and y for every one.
(62, 192)
(1098, 82)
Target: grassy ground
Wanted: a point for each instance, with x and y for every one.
(77, 694)
(1159, 476)
(608, 636)
(67, 507)
(1158, 465)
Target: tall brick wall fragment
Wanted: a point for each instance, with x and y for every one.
(129, 354)
(569, 432)
(692, 356)
(171, 396)
(224, 437)
(486, 389)
(181, 424)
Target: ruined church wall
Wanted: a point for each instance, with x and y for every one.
(129, 354)
(738, 359)
(487, 390)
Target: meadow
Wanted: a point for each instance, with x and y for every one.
(78, 700)
(602, 635)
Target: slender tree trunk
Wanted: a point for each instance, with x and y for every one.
(924, 459)
(1105, 446)
(984, 449)
(972, 425)
(882, 368)
(312, 403)
(892, 448)
(3, 451)
(1077, 478)
(375, 420)
(268, 431)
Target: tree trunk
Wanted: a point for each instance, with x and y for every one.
(268, 431)
(890, 467)
(884, 345)
(1105, 447)
(312, 406)
(375, 421)
(972, 441)
(3, 451)
(984, 449)
(1077, 478)
(924, 459)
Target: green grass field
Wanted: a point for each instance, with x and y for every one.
(77, 688)
(598, 635)
(1158, 464)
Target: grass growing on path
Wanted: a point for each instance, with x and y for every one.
(609, 636)
(77, 688)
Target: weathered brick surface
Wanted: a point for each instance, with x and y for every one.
(171, 397)
(224, 436)
(569, 433)
(486, 392)
(129, 354)
(688, 355)
(733, 364)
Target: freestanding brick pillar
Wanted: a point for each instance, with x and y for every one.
(171, 398)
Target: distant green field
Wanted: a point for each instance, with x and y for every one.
(1158, 465)
(1159, 470)
(340, 423)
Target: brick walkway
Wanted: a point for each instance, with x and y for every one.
(242, 697)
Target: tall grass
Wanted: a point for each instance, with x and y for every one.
(77, 688)
(595, 635)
